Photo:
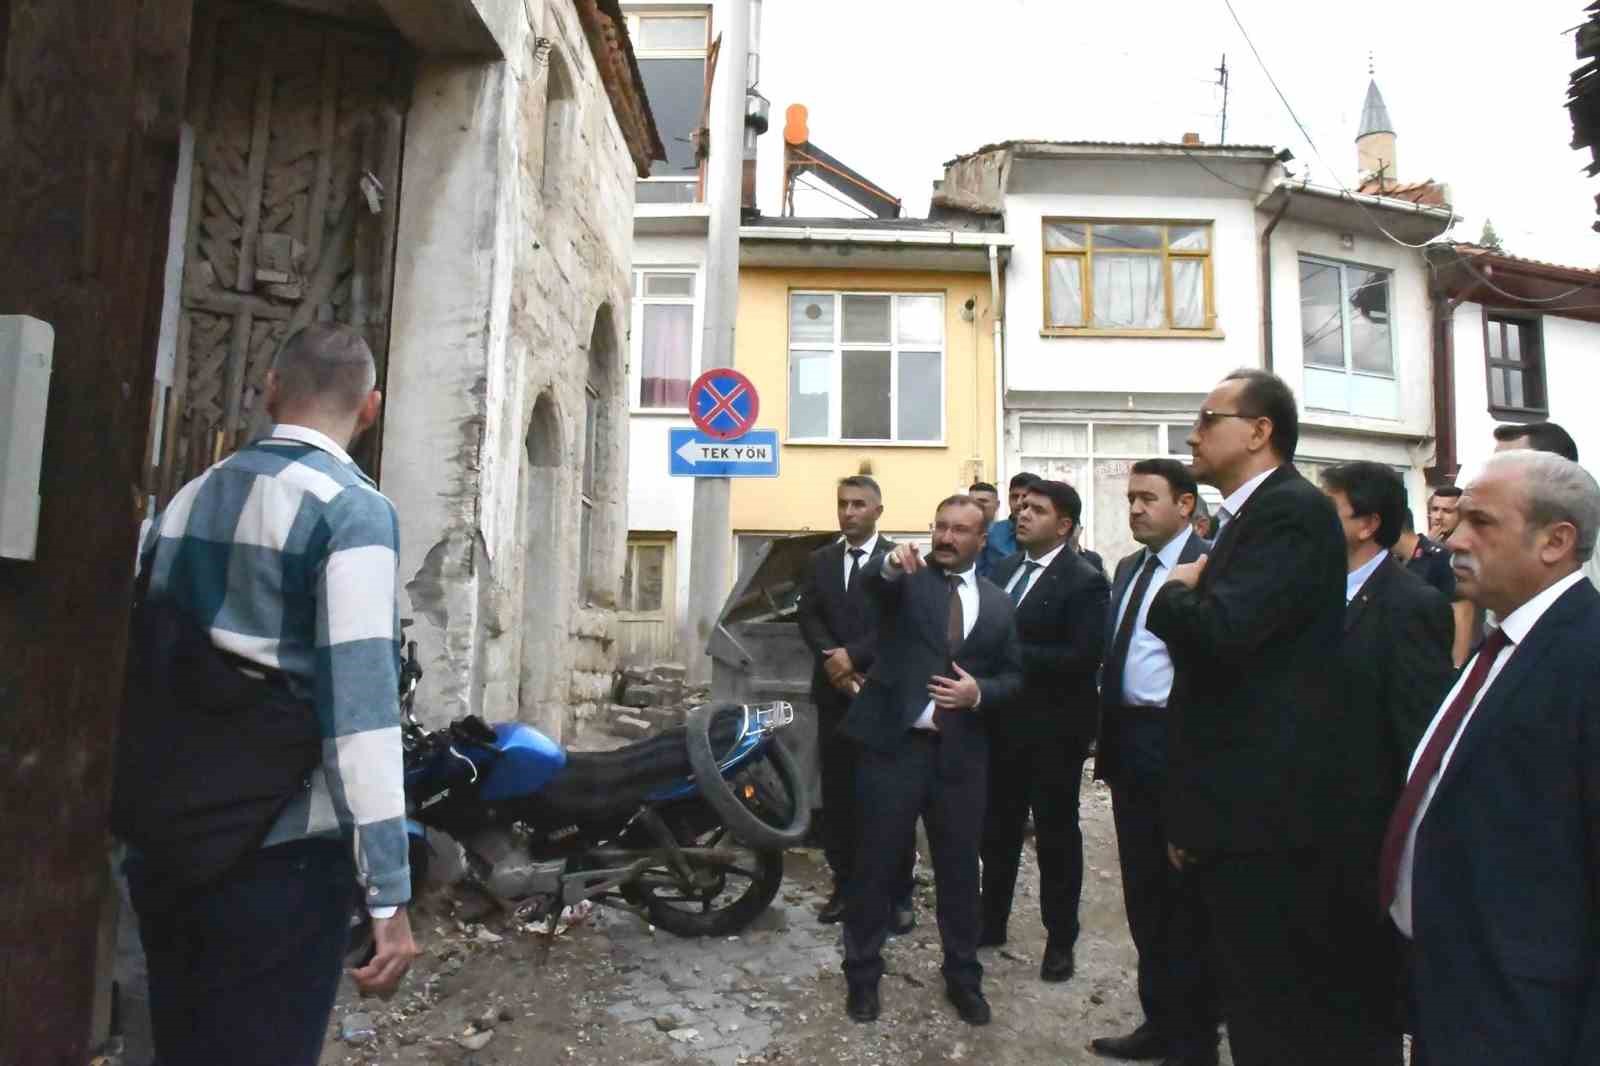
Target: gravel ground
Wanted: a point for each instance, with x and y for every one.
(612, 991)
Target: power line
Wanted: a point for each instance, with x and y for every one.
(1466, 264)
(1262, 63)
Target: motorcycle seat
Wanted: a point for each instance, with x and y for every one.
(599, 783)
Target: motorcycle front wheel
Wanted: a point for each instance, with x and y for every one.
(728, 898)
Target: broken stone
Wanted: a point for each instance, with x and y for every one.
(626, 725)
(475, 1040)
(486, 937)
(644, 696)
(685, 1036)
(358, 1029)
(487, 1020)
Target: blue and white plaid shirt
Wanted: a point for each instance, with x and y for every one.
(288, 554)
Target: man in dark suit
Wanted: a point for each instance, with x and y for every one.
(1037, 749)
(1254, 632)
(1491, 864)
(1396, 665)
(947, 664)
(1176, 986)
(841, 629)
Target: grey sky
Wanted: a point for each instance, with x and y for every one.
(1476, 89)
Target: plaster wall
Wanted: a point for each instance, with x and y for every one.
(500, 287)
(1572, 381)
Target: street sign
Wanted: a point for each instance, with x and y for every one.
(723, 404)
(693, 454)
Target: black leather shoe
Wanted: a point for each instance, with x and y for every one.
(1143, 1043)
(861, 1002)
(1194, 1057)
(969, 1003)
(833, 910)
(903, 919)
(1057, 964)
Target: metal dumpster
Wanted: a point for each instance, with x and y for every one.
(756, 650)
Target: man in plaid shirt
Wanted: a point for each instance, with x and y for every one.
(286, 552)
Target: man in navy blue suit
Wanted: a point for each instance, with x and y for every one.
(1491, 862)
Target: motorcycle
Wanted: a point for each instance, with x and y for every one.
(686, 829)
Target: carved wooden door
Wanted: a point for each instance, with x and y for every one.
(298, 125)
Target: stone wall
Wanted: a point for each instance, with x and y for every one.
(510, 294)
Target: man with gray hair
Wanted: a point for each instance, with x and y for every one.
(1491, 862)
(283, 558)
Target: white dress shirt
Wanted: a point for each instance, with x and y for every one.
(968, 591)
(867, 546)
(1147, 675)
(1358, 577)
(1239, 497)
(1040, 565)
(1517, 626)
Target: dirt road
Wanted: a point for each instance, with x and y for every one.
(611, 991)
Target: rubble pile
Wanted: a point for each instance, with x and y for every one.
(646, 701)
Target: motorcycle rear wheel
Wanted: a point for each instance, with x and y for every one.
(739, 895)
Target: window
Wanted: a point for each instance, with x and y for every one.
(1096, 458)
(671, 48)
(866, 367)
(1347, 339)
(591, 436)
(644, 576)
(664, 338)
(558, 111)
(1127, 277)
(1514, 348)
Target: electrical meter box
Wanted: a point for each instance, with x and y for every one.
(26, 348)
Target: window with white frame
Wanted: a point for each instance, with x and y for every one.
(663, 337)
(1096, 458)
(1110, 275)
(670, 44)
(1347, 337)
(866, 367)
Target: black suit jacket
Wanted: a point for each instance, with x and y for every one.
(1506, 881)
(1062, 628)
(1256, 691)
(1397, 668)
(830, 617)
(1106, 753)
(913, 648)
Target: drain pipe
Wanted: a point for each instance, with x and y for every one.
(999, 370)
(1266, 281)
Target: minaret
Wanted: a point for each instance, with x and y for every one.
(1375, 139)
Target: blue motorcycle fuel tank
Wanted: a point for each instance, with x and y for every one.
(526, 762)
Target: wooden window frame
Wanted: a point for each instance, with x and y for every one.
(627, 603)
(1535, 323)
(837, 353)
(633, 18)
(1084, 256)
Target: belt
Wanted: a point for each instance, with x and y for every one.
(926, 734)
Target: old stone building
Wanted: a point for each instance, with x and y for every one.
(456, 178)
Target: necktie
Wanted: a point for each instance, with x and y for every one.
(1020, 589)
(1117, 661)
(1432, 758)
(955, 629)
(855, 567)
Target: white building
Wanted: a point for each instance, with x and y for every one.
(1518, 345)
(1144, 273)
(667, 332)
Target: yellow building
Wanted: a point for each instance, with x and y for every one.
(872, 345)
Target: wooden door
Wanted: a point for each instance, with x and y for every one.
(645, 616)
(297, 127)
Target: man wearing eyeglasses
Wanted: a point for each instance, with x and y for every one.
(1254, 629)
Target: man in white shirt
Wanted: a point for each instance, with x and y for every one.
(1491, 862)
(1176, 986)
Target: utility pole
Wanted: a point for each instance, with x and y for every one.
(1222, 80)
(711, 542)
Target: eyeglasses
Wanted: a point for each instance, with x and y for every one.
(1208, 417)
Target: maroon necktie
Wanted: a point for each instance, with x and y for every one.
(1405, 811)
